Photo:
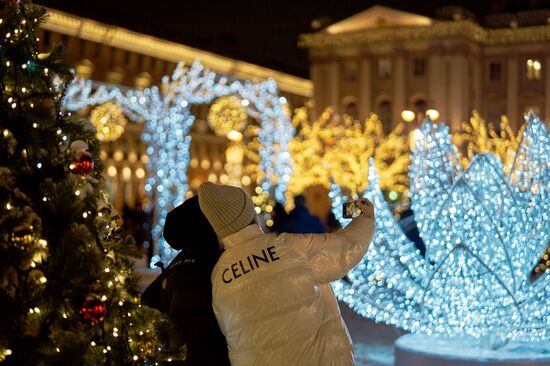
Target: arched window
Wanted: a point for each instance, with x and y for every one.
(84, 68)
(349, 106)
(116, 75)
(384, 112)
(143, 80)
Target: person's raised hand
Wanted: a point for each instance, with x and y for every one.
(367, 208)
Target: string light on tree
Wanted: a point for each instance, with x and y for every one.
(47, 178)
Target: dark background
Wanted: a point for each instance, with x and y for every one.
(261, 32)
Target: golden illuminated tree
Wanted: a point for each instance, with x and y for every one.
(340, 148)
(348, 158)
(307, 150)
(477, 137)
(392, 158)
(356, 143)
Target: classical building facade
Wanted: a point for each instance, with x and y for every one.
(385, 61)
(112, 55)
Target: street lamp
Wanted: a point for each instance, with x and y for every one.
(408, 116)
(433, 114)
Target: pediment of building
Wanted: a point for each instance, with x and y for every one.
(378, 17)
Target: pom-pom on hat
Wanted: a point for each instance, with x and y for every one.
(228, 209)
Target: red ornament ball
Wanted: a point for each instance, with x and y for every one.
(83, 166)
(10, 2)
(94, 310)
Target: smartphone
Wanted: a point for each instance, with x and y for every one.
(351, 209)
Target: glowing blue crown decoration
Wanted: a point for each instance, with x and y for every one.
(484, 232)
(167, 117)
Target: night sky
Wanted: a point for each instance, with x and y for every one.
(261, 32)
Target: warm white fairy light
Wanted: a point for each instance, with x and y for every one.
(484, 232)
(168, 119)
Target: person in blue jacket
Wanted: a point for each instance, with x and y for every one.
(300, 221)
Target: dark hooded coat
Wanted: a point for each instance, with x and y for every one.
(184, 290)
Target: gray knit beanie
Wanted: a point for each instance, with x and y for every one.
(228, 209)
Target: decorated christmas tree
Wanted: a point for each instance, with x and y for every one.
(68, 295)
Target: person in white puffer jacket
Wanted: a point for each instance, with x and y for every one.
(271, 294)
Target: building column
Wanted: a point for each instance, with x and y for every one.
(458, 93)
(436, 81)
(512, 76)
(398, 92)
(546, 72)
(317, 78)
(334, 85)
(477, 76)
(365, 88)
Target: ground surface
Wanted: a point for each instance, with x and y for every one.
(372, 342)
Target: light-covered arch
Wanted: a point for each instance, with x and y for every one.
(165, 111)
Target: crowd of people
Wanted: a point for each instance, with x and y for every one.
(238, 296)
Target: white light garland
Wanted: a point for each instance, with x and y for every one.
(484, 232)
(167, 116)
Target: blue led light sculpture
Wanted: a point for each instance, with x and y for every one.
(484, 232)
(165, 110)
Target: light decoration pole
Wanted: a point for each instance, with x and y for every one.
(165, 111)
(484, 232)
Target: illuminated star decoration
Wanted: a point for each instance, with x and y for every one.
(484, 232)
(168, 119)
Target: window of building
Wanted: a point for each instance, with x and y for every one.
(533, 108)
(350, 108)
(384, 68)
(47, 38)
(495, 71)
(81, 45)
(420, 107)
(384, 110)
(419, 66)
(533, 69)
(350, 70)
(97, 49)
(65, 40)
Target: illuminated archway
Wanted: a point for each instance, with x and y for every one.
(165, 111)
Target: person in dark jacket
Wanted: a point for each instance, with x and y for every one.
(279, 217)
(184, 290)
(300, 221)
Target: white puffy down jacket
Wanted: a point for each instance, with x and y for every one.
(273, 300)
